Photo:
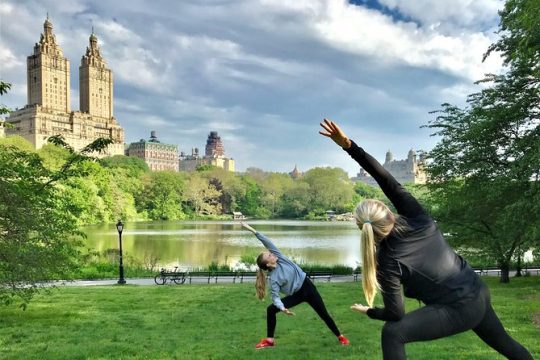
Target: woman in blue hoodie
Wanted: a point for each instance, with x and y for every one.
(286, 277)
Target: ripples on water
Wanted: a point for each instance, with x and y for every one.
(198, 243)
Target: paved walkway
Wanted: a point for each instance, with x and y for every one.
(219, 280)
(223, 280)
(194, 281)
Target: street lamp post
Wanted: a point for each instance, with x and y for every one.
(120, 228)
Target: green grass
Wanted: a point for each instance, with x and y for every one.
(224, 321)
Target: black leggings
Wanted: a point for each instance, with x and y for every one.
(307, 293)
(437, 321)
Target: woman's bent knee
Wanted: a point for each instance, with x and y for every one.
(272, 309)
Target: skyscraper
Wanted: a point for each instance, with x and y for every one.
(48, 110)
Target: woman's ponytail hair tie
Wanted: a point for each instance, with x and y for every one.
(367, 222)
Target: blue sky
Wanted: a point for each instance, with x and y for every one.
(264, 73)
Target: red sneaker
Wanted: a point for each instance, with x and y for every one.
(264, 343)
(343, 340)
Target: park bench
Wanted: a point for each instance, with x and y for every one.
(319, 275)
(226, 274)
(200, 274)
(356, 274)
(531, 270)
(246, 274)
(216, 275)
(488, 270)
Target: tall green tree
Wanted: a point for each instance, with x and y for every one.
(38, 227)
(202, 195)
(250, 203)
(273, 187)
(162, 195)
(230, 186)
(330, 189)
(485, 169)
(296, 201)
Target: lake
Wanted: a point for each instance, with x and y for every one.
(189, 244)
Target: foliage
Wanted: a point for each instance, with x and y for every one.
(202, 196)
(122, 187)
(104, 265)
(484, 171)
(4, 87)
(133, 165)
(162, 195)
(38, 227)
(329, 189)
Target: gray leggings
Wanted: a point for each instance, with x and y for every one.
(436, 321)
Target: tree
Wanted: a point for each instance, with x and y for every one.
(162, 195)
(330, 189)
(230, 185)
(273, 187)
(4, 87)
(134, 165)
(296, 201)
(38, 229)
(203, 196)
(250, 203)
(484, 172)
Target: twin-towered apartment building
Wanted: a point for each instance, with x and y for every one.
(48, 110)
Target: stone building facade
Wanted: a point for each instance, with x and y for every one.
(214, 155)
(410, 170)
(156, 155)
(48, 111)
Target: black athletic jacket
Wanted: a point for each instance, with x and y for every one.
(419, 259)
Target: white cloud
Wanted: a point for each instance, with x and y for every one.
(263, 73)
(366, 32)
(460, 13)
(8, 59)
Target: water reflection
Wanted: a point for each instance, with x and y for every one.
(198, 243)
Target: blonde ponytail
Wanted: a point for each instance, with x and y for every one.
(369, 264)
(376, 221)
(260, 284)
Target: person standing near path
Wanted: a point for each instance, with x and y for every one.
(408, 249)
(286, 277)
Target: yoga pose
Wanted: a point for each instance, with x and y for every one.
(408, 249)
(286, 277)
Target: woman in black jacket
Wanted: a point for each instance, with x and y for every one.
(408, 249)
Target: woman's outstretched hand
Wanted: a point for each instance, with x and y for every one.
(335, 133)
(288, 312)
(360, 308)
(246, 226)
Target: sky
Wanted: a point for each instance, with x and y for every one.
(264, 73)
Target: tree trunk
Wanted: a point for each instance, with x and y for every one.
(505, 269)
(518, 270)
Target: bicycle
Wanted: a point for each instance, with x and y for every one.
(176, 276)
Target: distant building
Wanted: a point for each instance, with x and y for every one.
(190, 162)
(410, 170)
(295, 174)
(214, 155)
(157, 155)
(214, 146)
(48, 109)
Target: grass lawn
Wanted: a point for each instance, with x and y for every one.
(224, 321)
